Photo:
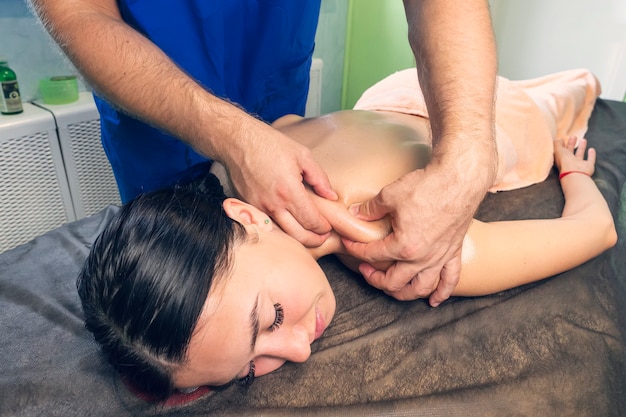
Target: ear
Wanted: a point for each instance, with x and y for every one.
(246, 214)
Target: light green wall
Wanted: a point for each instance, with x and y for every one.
(330, 42)
(376, 45)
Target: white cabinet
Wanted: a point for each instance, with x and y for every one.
(34, 191)
(53, 169)
(91, 181)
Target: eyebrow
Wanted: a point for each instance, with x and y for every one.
(254, 323)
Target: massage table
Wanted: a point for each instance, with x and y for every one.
(551, 348)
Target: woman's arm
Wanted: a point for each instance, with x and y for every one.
(503, 255)
(506, 254)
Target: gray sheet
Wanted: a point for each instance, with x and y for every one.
(550, 348)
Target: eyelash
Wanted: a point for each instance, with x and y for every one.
(280, 316)
(247, 380)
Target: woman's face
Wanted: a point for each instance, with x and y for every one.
(273, 304)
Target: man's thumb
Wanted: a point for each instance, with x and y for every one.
(367, 211)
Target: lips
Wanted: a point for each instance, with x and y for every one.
(320, 323)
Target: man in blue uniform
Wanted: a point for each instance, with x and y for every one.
(182, 82)
(255, 54)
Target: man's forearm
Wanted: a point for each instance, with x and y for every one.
(133, 74)
(454, 46)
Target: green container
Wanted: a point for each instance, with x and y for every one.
(59, 90)
(10, 99)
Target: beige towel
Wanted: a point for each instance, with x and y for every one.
(530, 114)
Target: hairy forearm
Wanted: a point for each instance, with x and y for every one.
(454, 47)
(136, 76)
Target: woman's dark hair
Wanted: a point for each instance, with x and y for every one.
(147, 277)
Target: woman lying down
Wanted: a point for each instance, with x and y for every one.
(186, 287)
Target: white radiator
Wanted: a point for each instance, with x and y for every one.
(91, 181)
(52, 169)
(34, 191)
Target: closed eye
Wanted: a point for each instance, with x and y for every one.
(248, 379)
(278, 320)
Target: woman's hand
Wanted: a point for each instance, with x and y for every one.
(569, 157)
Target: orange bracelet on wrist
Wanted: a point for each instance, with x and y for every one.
(566, 173)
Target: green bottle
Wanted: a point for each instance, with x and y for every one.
(10, 100)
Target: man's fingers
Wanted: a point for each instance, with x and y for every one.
(420, 286)
(449, 278)
(436, 282)
(304, 211)
(373, 276)
(317, 179)
(393, 281)
(370, 210)
(372, 252)
(293, 228)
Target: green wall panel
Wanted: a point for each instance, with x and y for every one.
(376, 45)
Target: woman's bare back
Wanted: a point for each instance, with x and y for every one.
(362, 151)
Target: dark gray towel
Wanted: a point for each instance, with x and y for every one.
(551, 348)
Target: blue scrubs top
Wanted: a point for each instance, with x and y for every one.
(256, 53)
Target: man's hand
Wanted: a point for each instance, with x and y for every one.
(430, 211)
(272, 175)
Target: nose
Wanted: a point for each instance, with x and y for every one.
(292, 344)
(299, 348)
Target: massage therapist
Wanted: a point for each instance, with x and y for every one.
(180, 83)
